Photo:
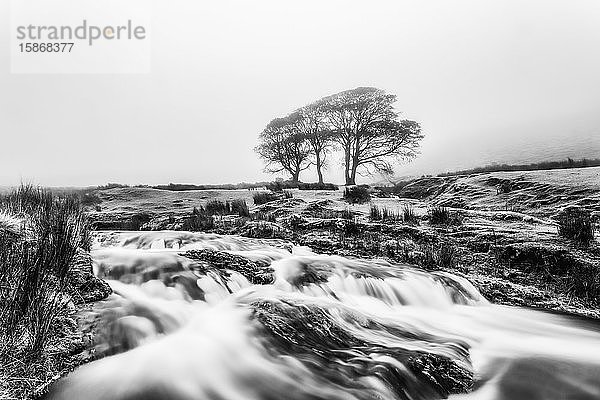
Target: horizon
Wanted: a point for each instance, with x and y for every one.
(490, 82)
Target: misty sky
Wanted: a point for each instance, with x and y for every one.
(488, 80)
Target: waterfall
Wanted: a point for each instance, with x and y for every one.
(325, 327)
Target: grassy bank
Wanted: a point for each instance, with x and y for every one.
(44, 273)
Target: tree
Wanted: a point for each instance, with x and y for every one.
(284, 148)
(372, 136)
(312, 123)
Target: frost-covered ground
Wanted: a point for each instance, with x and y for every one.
(506, 243)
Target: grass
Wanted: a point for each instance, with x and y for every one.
(357, 194)
(347, 214)
(40, 235)
(425, 255)
(264, 230)
(443, 216)
(199, 221)
(264, 197)
(396, 189)
(578, 225)
(541, 166)
(443, 255)
(409, 216)
(439, 216)
(383, 213)
(237, 207)
(263, 216)
(203, 218)
(90, 198)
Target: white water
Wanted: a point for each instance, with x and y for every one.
(344, 334)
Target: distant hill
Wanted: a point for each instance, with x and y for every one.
(544, 165)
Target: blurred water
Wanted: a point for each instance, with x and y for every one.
(326, 327)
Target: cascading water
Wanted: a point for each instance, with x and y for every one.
(292, 324)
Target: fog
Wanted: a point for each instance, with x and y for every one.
(490, 81)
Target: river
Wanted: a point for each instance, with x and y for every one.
(294, 324)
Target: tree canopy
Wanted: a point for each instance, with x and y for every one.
(283, 147)
(362, 121)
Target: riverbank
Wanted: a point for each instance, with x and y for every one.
(500, 229)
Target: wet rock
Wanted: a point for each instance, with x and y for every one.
(84, 286)
(442, 373)
(311, 333)
(221, 262)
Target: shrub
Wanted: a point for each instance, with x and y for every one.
(264, 197)
(408, 215)
(278, 187)
(357, 194)
(576, 224)
(287, 194)
(317, 186)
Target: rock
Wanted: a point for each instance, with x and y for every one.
(84, 286)
(265, 230)
(221, 262)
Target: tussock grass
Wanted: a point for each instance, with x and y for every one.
(264, 197)
(383, 213)
(218, 207)
(10, 224)
(240, 207)
(347, 214)
(409, 216)
(577, 224)
(443, 216)
(263, 216)
(443, 255)
(40, 235)
(203, 218)
(439, 216)
(199, 221)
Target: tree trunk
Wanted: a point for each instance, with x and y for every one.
(347, 167)
(353, 172)
(296, 176)
(319, 172)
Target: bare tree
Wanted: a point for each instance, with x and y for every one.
(284, 148)
(312, 123)
(372, 136)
